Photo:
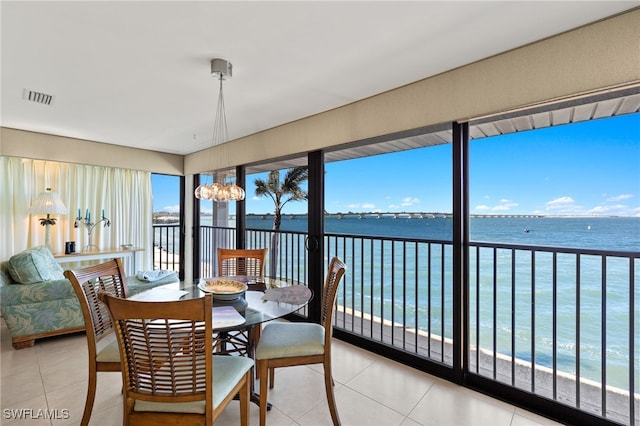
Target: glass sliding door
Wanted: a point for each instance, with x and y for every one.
(168, 216)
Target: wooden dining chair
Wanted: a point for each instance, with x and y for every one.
(241, 262)
(101, 343)
(169, 373)
(285, 344)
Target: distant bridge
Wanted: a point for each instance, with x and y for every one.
(391, 215)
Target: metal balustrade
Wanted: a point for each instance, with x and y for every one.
(557, 323)
(166, 243)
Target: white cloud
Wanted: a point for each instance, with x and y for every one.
(409, 201)
(600, 210)
(620, 197)
(613, 210)
(504, 205)
(565, 206)
(363, 206)
(172, 209)
(562, 201)
(507, 204)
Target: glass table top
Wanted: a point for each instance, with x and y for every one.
(266, 298)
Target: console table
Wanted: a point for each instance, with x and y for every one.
(102, 255)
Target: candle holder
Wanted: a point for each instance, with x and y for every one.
(90, 226)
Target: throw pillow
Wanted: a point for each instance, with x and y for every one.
(35, 265)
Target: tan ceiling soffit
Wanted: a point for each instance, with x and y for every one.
(40, 146)
(585, 60)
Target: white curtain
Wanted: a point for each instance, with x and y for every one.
(124, 195)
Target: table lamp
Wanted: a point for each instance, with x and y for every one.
(48, 203)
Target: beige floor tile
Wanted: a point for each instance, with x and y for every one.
(231, 416)
(347, 361)
(446, 405)
(297, 390)
(394, 385)
(370, 390)
(71, 398)
(409, 422)
(27, 413)
(109, 417)
(72, 354)
(354, 409)
(21, 386)
(64, 373)
(12, 361)
(524, 417)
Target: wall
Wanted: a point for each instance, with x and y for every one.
(40, 146)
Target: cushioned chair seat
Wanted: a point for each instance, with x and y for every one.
(283, 340)
(227, 371)
(109, 353)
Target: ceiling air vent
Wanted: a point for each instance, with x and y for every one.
(37, 97)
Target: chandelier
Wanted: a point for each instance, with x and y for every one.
(220, 192)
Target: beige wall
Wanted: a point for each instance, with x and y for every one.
(598, 57)
(23, 144)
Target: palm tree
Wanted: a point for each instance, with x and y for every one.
(281, 193)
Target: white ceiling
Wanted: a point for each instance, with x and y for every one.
(137, 73)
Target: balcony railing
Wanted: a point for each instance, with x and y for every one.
(166, 244)
(558, 323)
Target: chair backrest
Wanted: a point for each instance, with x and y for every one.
(87, 283)
(241, 262)
(336, 271)
(166, 349)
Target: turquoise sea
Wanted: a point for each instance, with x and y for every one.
(598, 233)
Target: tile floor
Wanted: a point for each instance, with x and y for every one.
(370, 391)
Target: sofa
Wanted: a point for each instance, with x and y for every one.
(37, 301)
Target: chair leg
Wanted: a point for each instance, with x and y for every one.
(244, 400)
(331, 399)
(91, 396)
(272, 377)
(253, 338)
(263, 367)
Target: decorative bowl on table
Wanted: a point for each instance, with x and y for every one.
(223, 289)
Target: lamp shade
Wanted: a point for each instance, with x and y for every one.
(48, 203)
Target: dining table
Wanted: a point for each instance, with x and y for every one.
(234, 321)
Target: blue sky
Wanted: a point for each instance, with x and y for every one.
(589, 168)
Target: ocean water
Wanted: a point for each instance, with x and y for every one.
(598, 233)
(601, 233)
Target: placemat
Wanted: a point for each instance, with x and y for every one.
(295, 294)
